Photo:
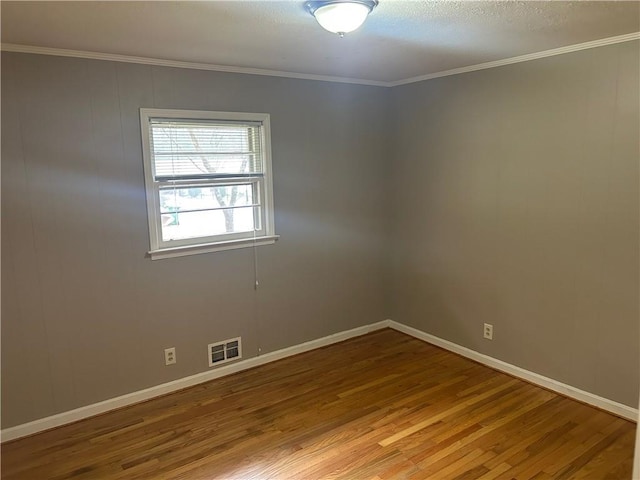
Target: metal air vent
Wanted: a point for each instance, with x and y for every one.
(225, 351)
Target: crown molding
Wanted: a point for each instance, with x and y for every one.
(10, 47)
(522, 58)
(113, 57)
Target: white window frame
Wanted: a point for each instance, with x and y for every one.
(262, 184)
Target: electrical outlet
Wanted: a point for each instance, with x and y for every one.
(170, 356)
(488, 331)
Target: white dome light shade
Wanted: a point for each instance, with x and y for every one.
(341, 16)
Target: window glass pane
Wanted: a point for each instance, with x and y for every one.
(201, 149)
(176, 199)
(181, 225)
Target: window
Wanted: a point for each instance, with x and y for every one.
(208, 180)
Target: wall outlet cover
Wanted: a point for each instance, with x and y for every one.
(170, 356)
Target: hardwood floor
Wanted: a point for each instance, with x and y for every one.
(381, 406)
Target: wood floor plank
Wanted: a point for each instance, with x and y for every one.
(600, 465)
(495, 472)
(382, 406)
(433, 418)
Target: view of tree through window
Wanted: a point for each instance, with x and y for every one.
(189, 151)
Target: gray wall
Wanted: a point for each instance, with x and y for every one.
(85, 316)
(507, 196)
(517, 204)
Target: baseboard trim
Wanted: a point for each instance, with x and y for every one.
(92, 410)
(616, 408)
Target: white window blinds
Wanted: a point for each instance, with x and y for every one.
(188, 149)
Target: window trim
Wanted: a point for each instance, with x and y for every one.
(266, 235)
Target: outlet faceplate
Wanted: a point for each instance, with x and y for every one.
(170, 356)
(488, 331)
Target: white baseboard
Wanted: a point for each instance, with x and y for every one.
(562, 388)
(81, 413)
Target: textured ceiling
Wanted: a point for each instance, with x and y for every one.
(401, 39)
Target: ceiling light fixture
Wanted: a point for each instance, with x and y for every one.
(341, 16)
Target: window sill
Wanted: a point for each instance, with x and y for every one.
(211, 247)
